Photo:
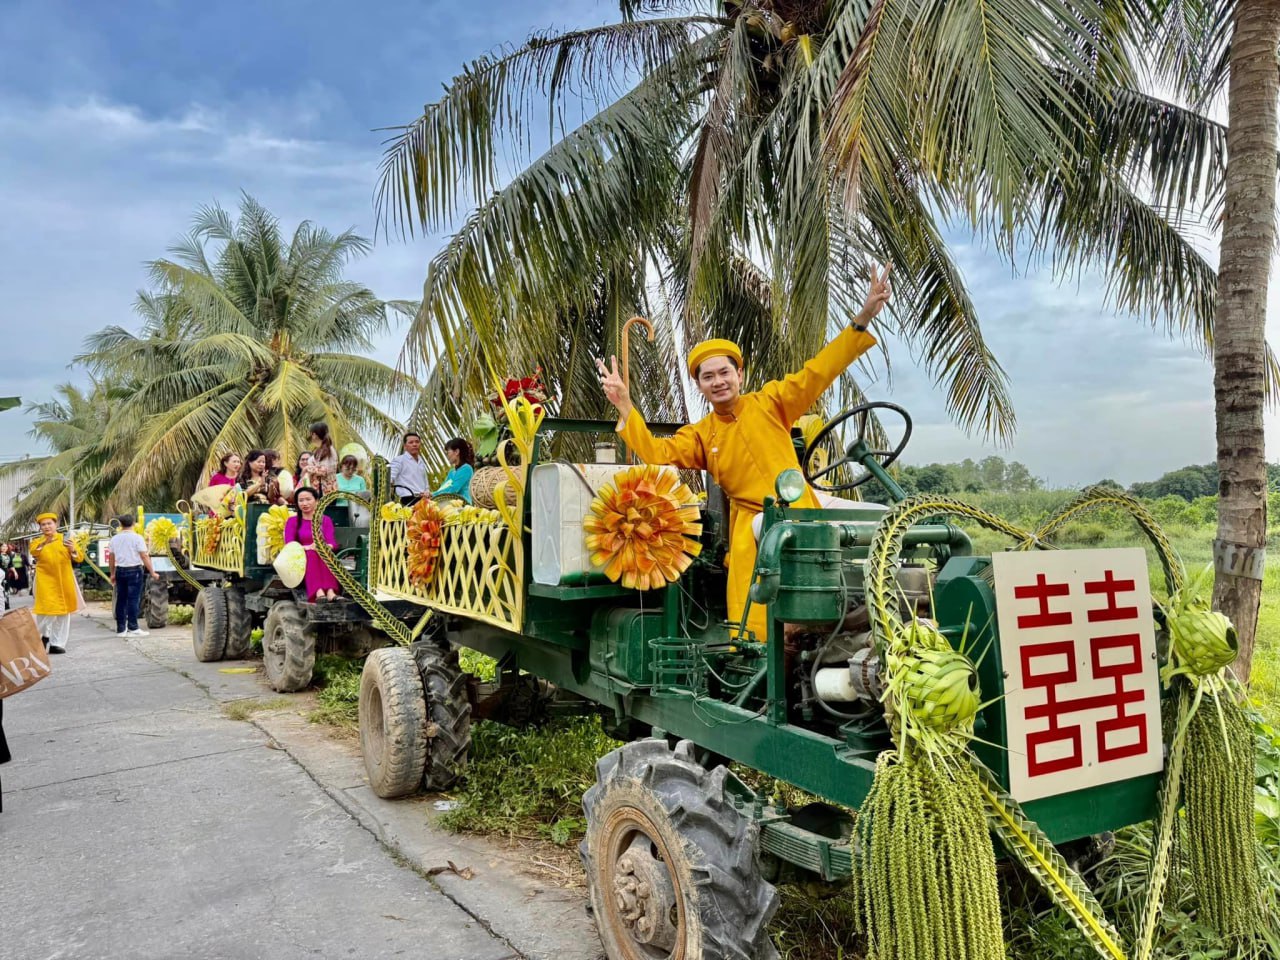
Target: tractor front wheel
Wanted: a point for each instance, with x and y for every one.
(393, 722)
(209, 624)
(288, 647)
(448, 715)
(672, 866)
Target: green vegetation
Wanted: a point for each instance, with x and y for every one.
(529, 783)
(180, 614)
(339, 698)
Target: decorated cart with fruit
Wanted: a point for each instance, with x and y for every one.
(238, 548)
(927, 699)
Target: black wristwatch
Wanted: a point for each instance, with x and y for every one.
(860, 327)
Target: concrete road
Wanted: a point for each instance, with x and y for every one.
(140, 823)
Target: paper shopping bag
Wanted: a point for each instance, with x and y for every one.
(24, 662)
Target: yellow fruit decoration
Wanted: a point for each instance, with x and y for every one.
(640, 525)
(159, 532)
(271, 532)
(426, 526)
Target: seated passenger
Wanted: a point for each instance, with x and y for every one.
(302, 471)
(349, 481)
(319, 581)
(462, 465)
(228, 473)
(258, 482)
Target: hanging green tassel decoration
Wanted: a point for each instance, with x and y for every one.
(1217, 740)
(926, 868)
(1218, 798)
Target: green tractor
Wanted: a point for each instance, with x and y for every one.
(239, 590)
(1028, 681)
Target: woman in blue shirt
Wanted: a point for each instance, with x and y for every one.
(462, 465)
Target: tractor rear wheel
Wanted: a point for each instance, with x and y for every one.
(239, 625)
(448, 715)
(209, 624)
(393, 722)
(155, 604)
(288, 647)
(672, 866)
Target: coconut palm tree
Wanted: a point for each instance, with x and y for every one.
(249, 338)
(1211, 47)
(74, 426)
(751, 156)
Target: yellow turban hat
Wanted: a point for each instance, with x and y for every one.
(47, 516)
(713, 348)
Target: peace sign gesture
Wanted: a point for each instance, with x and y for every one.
(877, 295)
(615, 391)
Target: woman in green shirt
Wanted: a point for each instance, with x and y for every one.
(348, 480)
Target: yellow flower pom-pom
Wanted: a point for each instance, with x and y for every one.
(640, 527)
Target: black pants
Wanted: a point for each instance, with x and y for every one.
(4, 747)
(129, 582)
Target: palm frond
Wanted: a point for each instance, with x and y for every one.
(452, 151)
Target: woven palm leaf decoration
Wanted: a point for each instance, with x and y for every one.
(640, 527)
(935, 792)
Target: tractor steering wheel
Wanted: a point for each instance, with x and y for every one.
(858, 451)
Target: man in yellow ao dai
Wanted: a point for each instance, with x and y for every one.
(745, 441)
(57, 596)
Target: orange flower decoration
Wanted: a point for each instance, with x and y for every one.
(640, 525)
(425, 527)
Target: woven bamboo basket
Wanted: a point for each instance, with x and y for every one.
(483, 483)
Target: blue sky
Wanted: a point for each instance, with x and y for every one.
(118, 120)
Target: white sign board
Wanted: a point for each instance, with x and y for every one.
(1077, 640)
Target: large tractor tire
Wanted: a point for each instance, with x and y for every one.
(209, 624)
(288, 647)
(155, 604)
(393, 722)
(448, 715)
(672, 866)
(239, 625)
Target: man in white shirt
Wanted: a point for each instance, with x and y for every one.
(409, 471)
(129, 558)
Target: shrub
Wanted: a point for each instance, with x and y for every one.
(1083, 534)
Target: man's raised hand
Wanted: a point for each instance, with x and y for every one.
(615, 391)
(877, 295)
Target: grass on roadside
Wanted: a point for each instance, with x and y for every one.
(529, 783)
(339, 697)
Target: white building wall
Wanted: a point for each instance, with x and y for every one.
(9, 487)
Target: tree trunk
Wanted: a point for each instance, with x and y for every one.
(1248, 241)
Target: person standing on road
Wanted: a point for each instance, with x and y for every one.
(129, 558)
(409, 471)
(57, 596)
(19, 570)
